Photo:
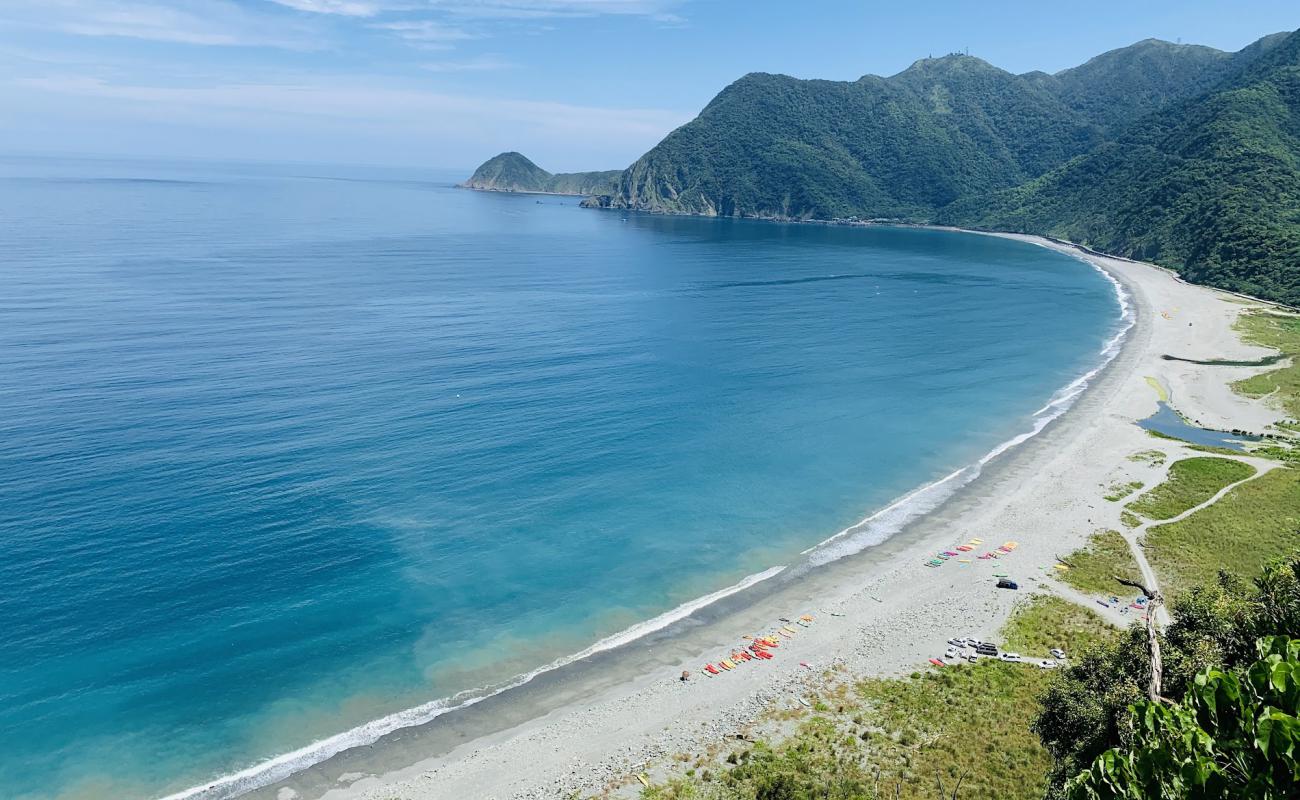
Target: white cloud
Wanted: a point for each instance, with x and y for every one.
(367, 102)
(210, 23)
(345, 8)
(486, 63)
(532, 9)
(424, 30)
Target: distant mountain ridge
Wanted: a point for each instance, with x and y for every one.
(1179, 154)
(512, 172)
(780, 147)
(1209, 186)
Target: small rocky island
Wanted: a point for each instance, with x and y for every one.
(513, 172)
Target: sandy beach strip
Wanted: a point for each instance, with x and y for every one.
(879, 612)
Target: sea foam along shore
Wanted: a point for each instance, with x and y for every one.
(275, 769)
(872, 530)
(1045, 494)
(889, 520)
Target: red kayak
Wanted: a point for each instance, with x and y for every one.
(711, 669)
(936, 662)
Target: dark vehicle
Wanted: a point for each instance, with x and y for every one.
(1007, 583)
(987, 649)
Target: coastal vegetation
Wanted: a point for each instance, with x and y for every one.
(1235, 734)
(1153, 457)
(1250, 525)
(1118, 491)
(900, 737)
(1093, 568)
(1191, 482)
(1282, 333)
(1084, 712)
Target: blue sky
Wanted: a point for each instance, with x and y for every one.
(575, 84)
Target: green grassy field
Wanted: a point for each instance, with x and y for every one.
(876, 737)
(1252, 524)
(1191, 482)
(1044, 621)
(1092, 568)
(1282, 333)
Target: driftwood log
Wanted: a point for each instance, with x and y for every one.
(1154, 601)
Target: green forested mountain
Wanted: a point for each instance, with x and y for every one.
(905, 146)
(1121, 85)
(1209, 186)
(775, 146)
(512, 172)
(1180, 154)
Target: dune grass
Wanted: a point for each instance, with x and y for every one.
(1283, 333)
(1254, 523)
(1118, 491)
(1153, 457)
(875, 737)
(1094, 567)
(1191, 482)
(1129, 519)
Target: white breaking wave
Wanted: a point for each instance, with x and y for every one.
(281, 767)
(892, 518)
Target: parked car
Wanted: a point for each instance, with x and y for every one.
(1007, 583)
(1009, 657)
(987, 649)
(957, 642)
(1047, 663)
(1057, 652)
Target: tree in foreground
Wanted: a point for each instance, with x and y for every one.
(1085, 712)
(1235, 735)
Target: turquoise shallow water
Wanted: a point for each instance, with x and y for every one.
(284, 450)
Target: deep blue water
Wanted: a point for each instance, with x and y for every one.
(283, 450)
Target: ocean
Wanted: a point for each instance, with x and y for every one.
(291, 455)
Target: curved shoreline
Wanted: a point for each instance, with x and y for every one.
(1046, 493)
(1063, 401)
(872, 531)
